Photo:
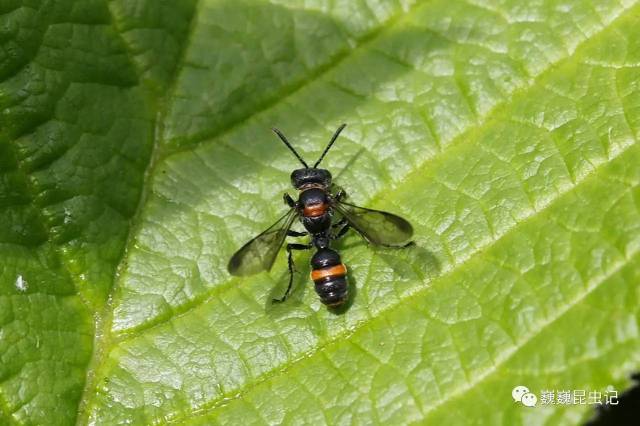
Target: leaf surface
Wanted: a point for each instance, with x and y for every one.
(135, 158)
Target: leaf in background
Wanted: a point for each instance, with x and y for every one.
(135, 157)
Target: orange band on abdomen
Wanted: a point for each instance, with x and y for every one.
(331, 271)
(314, 210)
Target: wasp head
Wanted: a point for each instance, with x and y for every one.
(307, 177)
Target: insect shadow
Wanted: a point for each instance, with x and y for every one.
(299, 287)
(413, 260)
(355, 157)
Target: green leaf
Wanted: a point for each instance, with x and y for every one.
(136, 157)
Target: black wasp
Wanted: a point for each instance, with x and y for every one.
(317, 205)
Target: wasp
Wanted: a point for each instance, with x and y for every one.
(326, 217)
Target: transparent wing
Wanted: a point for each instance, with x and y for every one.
(259, 253)
(375, 226)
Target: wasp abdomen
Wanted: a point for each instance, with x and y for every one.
(329, 276)
(332, 292)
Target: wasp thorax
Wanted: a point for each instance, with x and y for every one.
(310, 177)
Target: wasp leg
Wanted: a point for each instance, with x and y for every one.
(342, 231)
(291, 233)
(344, 226)
(340, 195)
(290, 248)
(339, 223)
(288, 200)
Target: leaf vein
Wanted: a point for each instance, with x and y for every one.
(508, 354)
(345, 336)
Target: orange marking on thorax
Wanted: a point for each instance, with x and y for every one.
(332, 271)
(314, 210)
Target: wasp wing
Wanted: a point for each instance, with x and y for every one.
(260, 253)
(375, 226)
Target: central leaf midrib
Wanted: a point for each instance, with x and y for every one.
(104, 320)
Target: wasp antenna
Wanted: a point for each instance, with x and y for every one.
(333, 139)
(286, 142)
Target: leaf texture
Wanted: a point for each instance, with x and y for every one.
(135, 158)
